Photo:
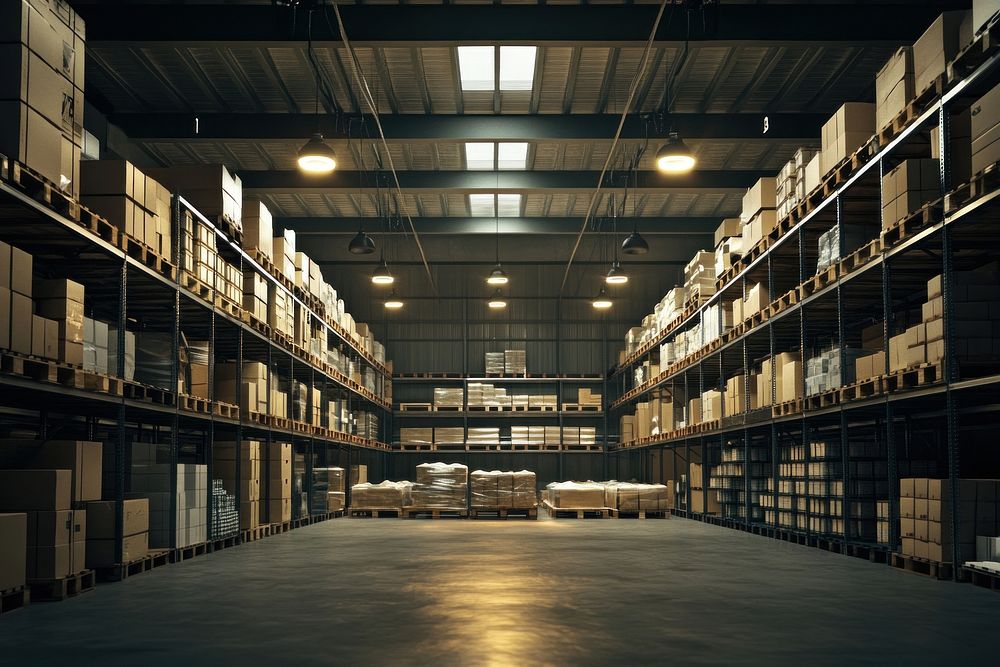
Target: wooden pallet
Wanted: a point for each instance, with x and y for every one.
(50, 590)
(982, 183)
(257, 325)
(142, 392)
(503, 513)
(782, 303)
(193, 284)
(43, 190)
(186, 553)
(640, 514)
(821, 280)
(576, 512)
(984, 46)
(194, 404)
(861, 256)
(822, 400)
(145, 255)
(447, 408)
(377, 512)
(912, 110)
(435, 512)
(928, 568)
(225, 410)
(14, 598)
(280, 527)
(787, 408)
(230, 308)
(30, 367)
(912, 378)
(929, 214)
(846, 168)
(868, 388)
(153, 559)
(428, 376)
(581, 447)
(581, 407)
(487, 408)
(982, 577)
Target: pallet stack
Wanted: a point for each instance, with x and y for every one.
(759, 213)
(133, 202)
(441, 486)
(278, 505)
(150, 479)
(926, 521)
(502, 490)
(101, 517)
(225, 456)
(328, 490)
(385, 495)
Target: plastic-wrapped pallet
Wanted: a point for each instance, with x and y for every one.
(225, 515)
(523, 494)
(487, 488)
(636, 497)
(494, 363)
(484, 435)
(387, 494)
(576, 495)
(515, 362)
(328, 489)
(448, 397)
(441, 485)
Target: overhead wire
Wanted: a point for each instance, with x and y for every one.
(633, 86)
(373, 108)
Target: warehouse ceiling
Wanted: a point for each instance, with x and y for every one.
(230, 82)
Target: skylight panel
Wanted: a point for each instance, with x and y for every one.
(475, 66)
(517, 67)
(509, 205)
(481, 204)
(479, 155)
(512, 155)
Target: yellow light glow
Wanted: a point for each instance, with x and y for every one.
(317, 164)
(675, 164)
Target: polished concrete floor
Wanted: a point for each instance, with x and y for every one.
(567, 592)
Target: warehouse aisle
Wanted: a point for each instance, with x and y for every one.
(354, 591)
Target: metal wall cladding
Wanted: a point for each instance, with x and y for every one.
(419, 357)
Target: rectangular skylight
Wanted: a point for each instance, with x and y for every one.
(479, 155)
(517, 67)
(512, 155)
(475, 65)
(509, 205)
(481, 204)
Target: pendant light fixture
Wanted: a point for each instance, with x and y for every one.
(634, 244)
(616, 276)
(496, 300)
(381, 274)
(316, 157)
(361, 244)
(674, 157)
(602, 301)
(393, 302)
(497, 275)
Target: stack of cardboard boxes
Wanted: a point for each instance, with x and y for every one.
(328, 490)
(797, 178)
(823, 370)
(699, 277)
(15, 299)
(284, 254)
(41, 98)
(755, 301)
(696, 483)
(847, 130)
(13, 550)
(893, 87)
(786, 370)
(503, 489)
(926, 511)
(50, 483)
(225, 456)
(939, 45)
(585, 396)
(258, 228)
(211, 188)
(909, 186)
(728, 244)
(735, 396)
(95, 344)
(448, 397)
(494, 363)
(101, 517)
(449, 435)
(278, 507)
(62, 301)
(153, 480)
(134, 203)
(759, 214)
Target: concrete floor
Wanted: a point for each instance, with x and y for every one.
(355, 591)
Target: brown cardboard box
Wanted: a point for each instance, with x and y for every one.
(101, 518)
(846, 131)
(730, 227)
(906, 488)
(897, 353)
(13, 547)
(359, 474)
(762, 195)
(83, 459)
(20, 271)
(893, 86)
(39, 490)
(4, 318)
(4, 265)
(50, 562)
(20, 323)
(101, 553)
(909, 546)
(250, 514)
(279, 510)
(939, 45)
(908, 507)
(906, 527)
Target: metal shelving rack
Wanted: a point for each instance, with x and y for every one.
(124, 291)
(906, 433)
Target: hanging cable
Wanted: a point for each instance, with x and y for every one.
(639, 75)
(373, 108)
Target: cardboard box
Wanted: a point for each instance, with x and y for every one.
(20, 323)
(939, 45)
(20, 271)
(35, 490)
(982, 12)
(846, 131)
(893, 86)
(13, 548)
(101, 552)
(83, 459)
(762, 195)
(730, 227)
(101, 517)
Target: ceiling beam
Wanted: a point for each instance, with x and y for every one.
(789, 127)
(649, 226)
(283, 181)
(194, 25)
